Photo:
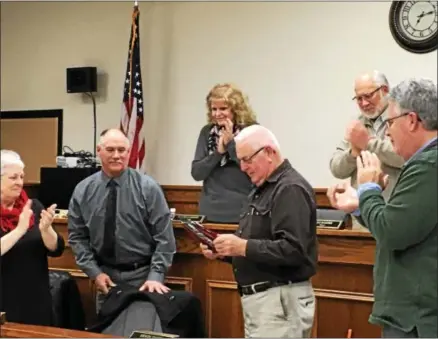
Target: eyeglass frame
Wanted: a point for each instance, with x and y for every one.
(389, 121)
(367, 96)
(248, 160)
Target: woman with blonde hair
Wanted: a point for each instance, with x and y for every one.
(225, 186)
(27, 238)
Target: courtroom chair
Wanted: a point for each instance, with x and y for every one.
(179, 312)
(67, 308)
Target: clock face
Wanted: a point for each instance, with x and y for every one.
(414, 25)
(418, 19)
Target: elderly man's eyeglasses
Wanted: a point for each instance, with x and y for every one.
(248, 159)
(390, 121)
(366, 96)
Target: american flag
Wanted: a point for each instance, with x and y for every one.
(132, 117)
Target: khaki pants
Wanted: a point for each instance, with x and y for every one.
(280, 312)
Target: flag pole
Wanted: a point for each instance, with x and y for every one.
(134, 38)
(132, 115)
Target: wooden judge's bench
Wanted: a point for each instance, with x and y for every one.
(343, 284)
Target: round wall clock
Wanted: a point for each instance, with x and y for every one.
(414, 25)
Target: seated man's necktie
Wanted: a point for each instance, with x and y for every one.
(109, 240)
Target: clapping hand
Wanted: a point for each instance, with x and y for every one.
(225, 136)
(228, 132)
(220, 143)
(357, 135)
(47, 217)
(369, 169)
(25, 215)
(343, 197)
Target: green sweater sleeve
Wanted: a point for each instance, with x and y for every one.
(410, 215)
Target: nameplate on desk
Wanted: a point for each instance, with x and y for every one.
(333, 219)
(332, 224)
(189, 217)
(151, 334)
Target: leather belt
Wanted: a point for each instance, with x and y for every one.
(129, 267)
(260, 287)
(124, 267)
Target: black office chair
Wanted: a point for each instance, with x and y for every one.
(67, 308)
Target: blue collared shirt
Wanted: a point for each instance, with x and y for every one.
(143, 225)
(373, 186)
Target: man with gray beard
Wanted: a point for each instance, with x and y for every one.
(405, 227)
(368, 132)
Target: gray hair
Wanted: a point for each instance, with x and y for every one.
(380, 79)
(112, 131)
(419, 96)
(259, 136)
(9, 158)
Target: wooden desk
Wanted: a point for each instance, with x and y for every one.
(343, 284)
(14, 330)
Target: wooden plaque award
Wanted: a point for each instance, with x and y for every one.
(199, 233)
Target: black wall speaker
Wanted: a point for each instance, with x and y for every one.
(81, 80)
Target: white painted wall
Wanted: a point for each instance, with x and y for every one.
(296, 61)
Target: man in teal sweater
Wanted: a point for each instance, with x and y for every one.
(406, 226)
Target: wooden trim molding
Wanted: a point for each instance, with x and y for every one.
(185, 198)
(211, 285)
(186, 283)
(343, 295)
(178, 195)
(15, 330)
(74, 273)
(314, 332)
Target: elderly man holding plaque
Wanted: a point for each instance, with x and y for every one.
(274, 250)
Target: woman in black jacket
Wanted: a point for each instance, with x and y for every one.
(27, 238)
